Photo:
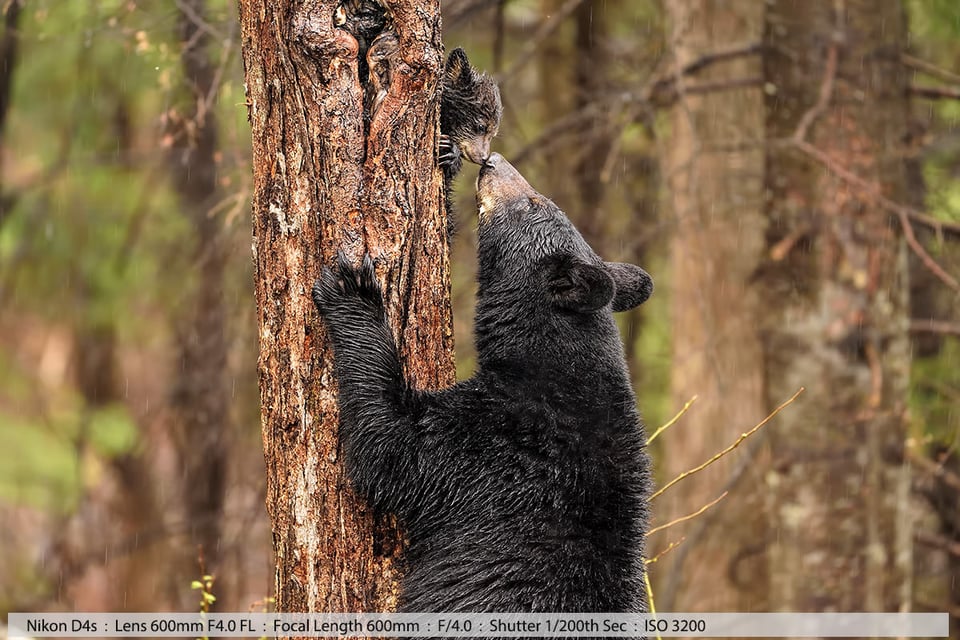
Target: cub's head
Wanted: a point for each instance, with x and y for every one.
(536, 270)
(471, 107)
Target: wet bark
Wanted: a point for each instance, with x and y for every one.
(713, 173)
(325, 179)
(835, 280)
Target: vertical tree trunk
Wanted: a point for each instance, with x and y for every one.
(200, 392)
(9, 52)
(713, 172)
(836, 316)
(323, 181)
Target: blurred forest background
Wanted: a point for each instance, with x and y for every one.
(789, 173)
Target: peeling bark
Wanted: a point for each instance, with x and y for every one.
(321, 184)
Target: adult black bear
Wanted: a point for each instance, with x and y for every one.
(524, 488)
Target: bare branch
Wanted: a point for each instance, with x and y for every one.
(672, 420)
(689, 516)
(918, 325)
(930, 69)
(545, 30)
(456, 12)
(665, 83)
(707, 59)
(930, 467)
(649, 589)
(872, 192)
(194, 16)
(934, 93)
(743, 436)
(938, 542)
(823, 99)
(571, 122)
(670, 547)
(721, 85)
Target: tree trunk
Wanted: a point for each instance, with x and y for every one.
(322, 181)
(200, 391)
(9, 53)
(713, 172)
(836, 315)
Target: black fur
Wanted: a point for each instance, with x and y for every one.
(524, 488)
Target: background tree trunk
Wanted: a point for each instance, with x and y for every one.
(836, 320)
(322, 183)
(713, 172)
(8, 64)
(200, 393)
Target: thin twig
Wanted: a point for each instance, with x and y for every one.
(938, 542)
(666, 83)
(930, 69)
(743, 436)
(689, 516)
(545, 30)
(649, 588)
(673, 545)
(672, 420)
(568, 124)
(723, 85)
(938, 471)
(202, 25)
(823, 99)
(918, 325)
(934, 93)
(872, 192)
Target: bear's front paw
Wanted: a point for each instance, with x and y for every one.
(345, 288)
(451, 161)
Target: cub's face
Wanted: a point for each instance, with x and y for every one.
(530, 252)
(472, 107)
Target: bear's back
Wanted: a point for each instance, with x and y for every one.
(542, 506)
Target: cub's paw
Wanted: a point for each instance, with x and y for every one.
(451, 160)
(345, 288)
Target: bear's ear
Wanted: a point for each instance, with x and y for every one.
(457, 70)
(634, 285)
(576, 285)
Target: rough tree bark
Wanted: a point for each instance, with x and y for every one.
(835, 280)
(322, 181)
(713, 172)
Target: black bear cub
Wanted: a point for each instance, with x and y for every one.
(524, 488)
(470, 112)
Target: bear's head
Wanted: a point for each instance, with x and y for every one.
(471, 107)
(540, 282)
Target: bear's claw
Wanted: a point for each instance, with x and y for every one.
(344, 286)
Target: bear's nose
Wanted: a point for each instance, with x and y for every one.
(491, 164)
(493, 160)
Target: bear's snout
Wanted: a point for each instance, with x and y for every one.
(499, 185)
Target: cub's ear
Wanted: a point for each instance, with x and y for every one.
(457, 69)
(576, 285)
(634, 285)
